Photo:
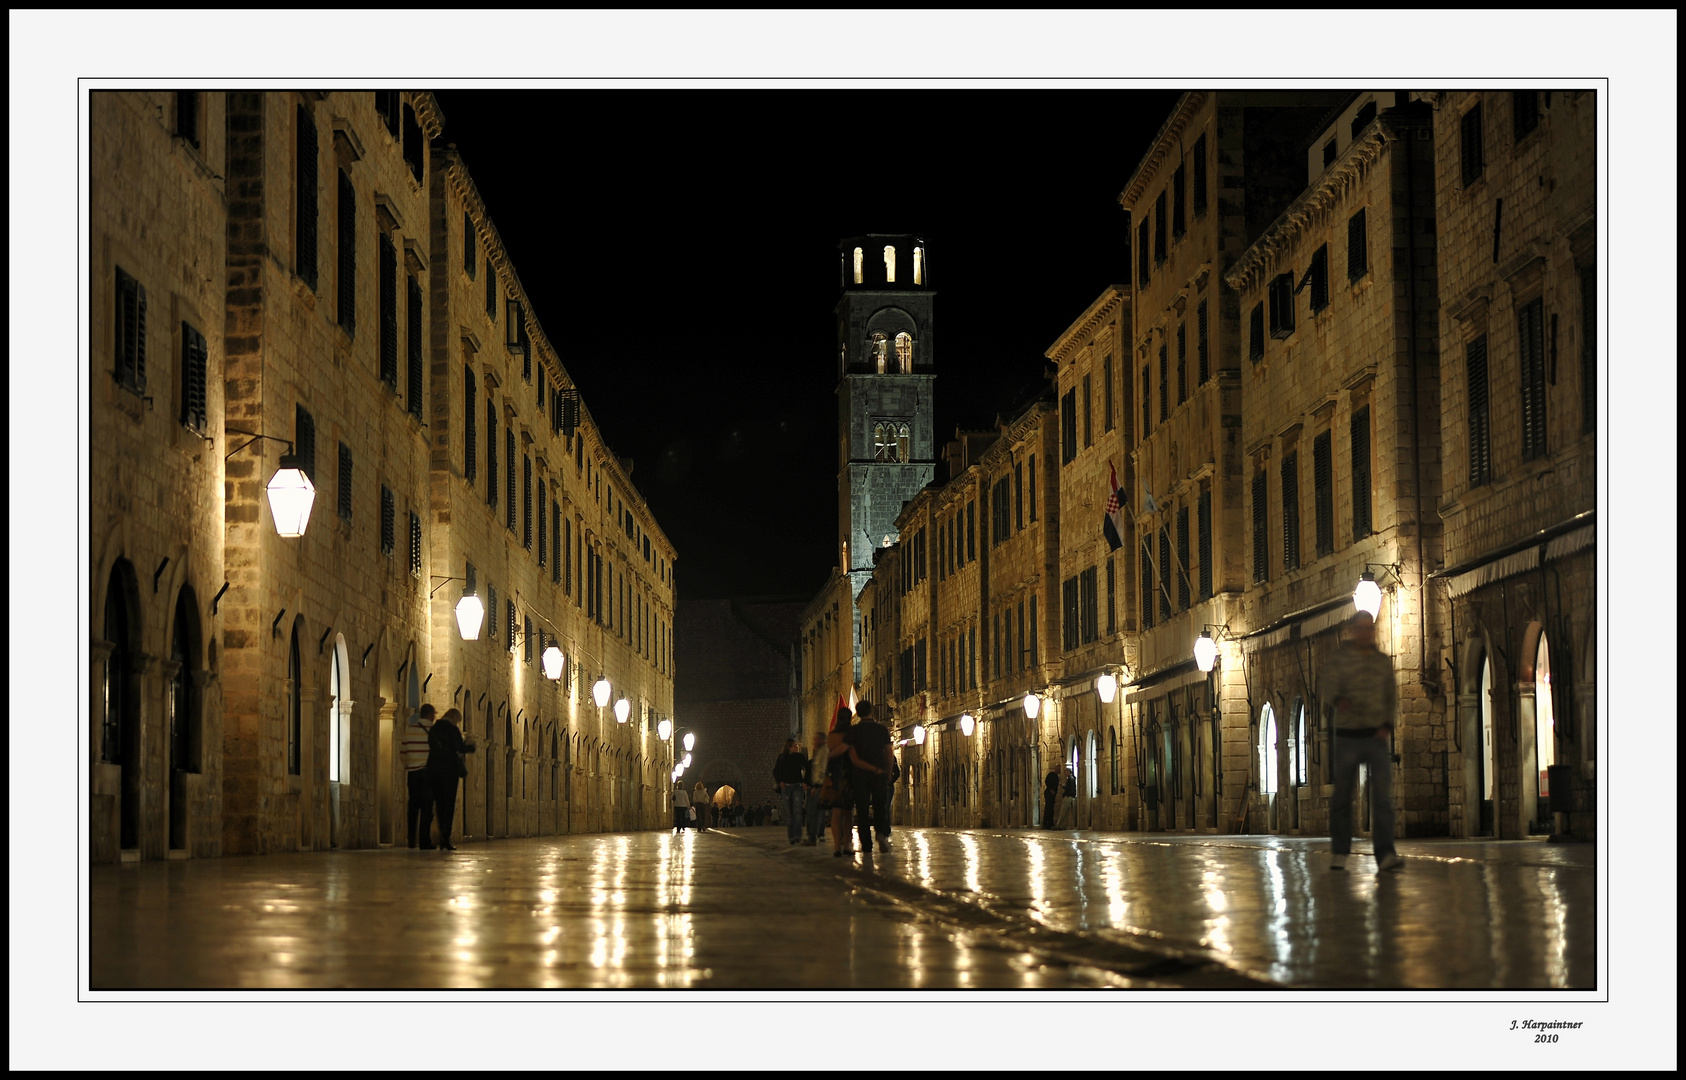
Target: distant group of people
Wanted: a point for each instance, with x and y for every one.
(432, 751)
(697, 809)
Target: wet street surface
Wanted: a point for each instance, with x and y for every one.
(741, 909)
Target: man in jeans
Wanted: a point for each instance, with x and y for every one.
(790, 776)
(869, 754)
(1358, 682)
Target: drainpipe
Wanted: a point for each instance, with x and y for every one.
(1416, 392)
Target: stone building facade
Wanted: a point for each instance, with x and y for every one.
(307, 253)
(1516, 193)
(1341, 437)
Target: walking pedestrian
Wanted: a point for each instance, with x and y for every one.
(1068, 798)
(816, 780)
(700, 803)
(1358, 684)
(681, 806)
(418, 811)
(445, 766)
(1050, 797)
(790, 776)
(838, 771)
(871, 760)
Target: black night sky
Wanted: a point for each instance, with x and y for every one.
(679, 248)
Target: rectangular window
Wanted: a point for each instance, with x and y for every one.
(1106, 393)
(971, 531)
(389, 523)
(1361, 473)
(527, 638)
(1032, 495)
(1070, 624)
(1290, 511)
(129, 365)
(1024, 642)
(1362, 120)
(414, 341)
(1200, 176)
(556, 559)
(972, 655)
(1530, 333)
(1589, 348)
(389, 313)
(1524, 113)
(1068, 427)
(1205, 541)
(1261, 530)
(1182, 558)
(1480, 445)
(1179, 221)
(567, 555)
(1182, 363)
(415, 146)
(1031, 651)
(1111, 596)
(1088, 601)
(509, 623)
(491, 612)
(346, 244)
(1147, 588)
(1088, 415)
(1470, 144)
(539, 514)
(1282, 305)
(1159, 229)
(526, 502)
(415, 545)
(1147, 401)
(491, 291)
(1357, 247)
(1255, 333)
(345, 482)
(1164, 382)
(1323, 491)
(386, 106)
(470, 253)
(1142, 258)
(509, 477)
(1320, 278)
(1164, 573)
(995, 647)
(470, 438)
(1328, 153)
(193, 363)
(304, 200)
(1018, 495)
(304, 441)
(187, 116)
(491, 453)
(1002, 512)
(1202, 345)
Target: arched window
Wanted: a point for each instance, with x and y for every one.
(890, 263)
(904, 353)
(903, 444)
(295, 713)
(1301, 745)
(1267, 750)
(336, 761)
(1111, 733)
(184, 689)
(883, 442)
(1545, 722)
(1093, 768)
(880, 352)
(859, 265)
(1489, 752)
(919, 266)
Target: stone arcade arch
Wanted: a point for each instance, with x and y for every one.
(119, 736)
(1477, 730)
(184, 714)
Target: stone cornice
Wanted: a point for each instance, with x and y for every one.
(1110, 300)
(1173, 127)
(432, 121)
(1256, 263)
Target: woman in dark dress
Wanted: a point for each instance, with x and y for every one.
(445, 747)
(837, 770)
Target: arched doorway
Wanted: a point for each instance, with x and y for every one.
(1486, 754)
(339, 739)
(1269, 763)
(1545, 735)
(184, 713)
(120, 731)
(491, 770)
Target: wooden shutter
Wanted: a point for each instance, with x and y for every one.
(1147, 401)
(345, 476)
(1204, 513)
(1320, 278)
(1480, 447)
(541, 522)
(304, 441)
(1164, 572)
(470, 253)
(1147, 588)
(1530, 331)
(1182, 363)
(1159, 228)
(491, 291)
(414, 342)
(1179, 201)
(305, 198)
(389, 312)
(1524, 113)
(470, 437)
(187, 116)
(347, 241)
(415, 545)
(526, 502)
(509, 612)
(1470, 142)
(1111, 598)
(491, 453)
(1357, 247)
(1069, 598)
(509, 476)
(389, 513)
(193, 363)
(1282, 305)
(414, 144)
(1261, 525)
(1361, 473)
(1200, 176)
(1589, 348)
(1291, 511)
(1203, 345)
(1323, 491)
(1142, 257)
(1183, 554)
(1255, 333)
(1164, 383)
(561, 556)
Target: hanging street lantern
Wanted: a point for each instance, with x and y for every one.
(1107, 687)
(690, 741)
(966, 724)
(1205, 651)
(623, 709)
(1032, 705)
(664, 729)
(291, 495)
(1368, 595)
(919, 734)
(552, 659)
(470, 614)
(600, 692)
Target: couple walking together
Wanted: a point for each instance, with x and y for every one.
(433, 763)
(857, 767)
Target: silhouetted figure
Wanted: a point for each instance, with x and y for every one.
(1358, 683)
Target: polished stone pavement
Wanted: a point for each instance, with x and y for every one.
(741, 909)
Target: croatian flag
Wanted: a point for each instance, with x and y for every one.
(1113, 526)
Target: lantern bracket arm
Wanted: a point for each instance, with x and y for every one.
(441, 581)
(1395, 574)
(255, 436)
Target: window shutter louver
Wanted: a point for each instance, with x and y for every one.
(491, 453)
(1147, 401)
(1147, 588)
(389, 313)
(1320, 279)
(345, 479)
(389, 513)
(509, 612)
(1291, 512)
(138, 349)
(1143, 257)
(193, 378)
(1164, 583)
(509, 476)
(1361, 473)
(1255, 333)
(1164, 383)
(1357, 247)
(414, 142)
(1531, 341)
(526, 502)
(1159, 228)
(1179, 202)
(1524, 113)
(304, 441)
(305, 195)
(1183, 558)
(1323, 491)
(561, 555)
(1200, 176)
(1261, 526)
(1203, 345)
(347, 296)
(491, 291)
(1480, 449)
(415, 545)
(187, 116)
(470, 259)
(1205, 540)
(1470, 132)
(415, 345)
(1589, 349)
(470, 437)
(1282, 305)
(1111, 598)
(1182, 363)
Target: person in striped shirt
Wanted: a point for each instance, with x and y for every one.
(413, 750)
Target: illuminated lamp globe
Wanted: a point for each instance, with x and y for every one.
(690, 740)
(552, 663)
(600, 691)
(685, 763)
(291, 495)
(1368, 595)
(1205, 651)
(623, 709)
(919, 734)
(966, 724)
(1032, 705)
(470, 614)
(664, 729)
(1107, 687)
